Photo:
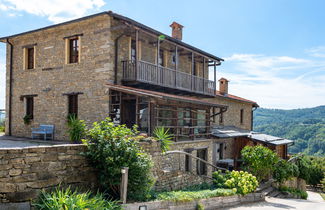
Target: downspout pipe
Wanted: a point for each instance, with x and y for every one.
(10, 88)
(252, 117)
(116, 57)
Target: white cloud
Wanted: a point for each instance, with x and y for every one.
(317, 51)
(55, 10)
(276, 81)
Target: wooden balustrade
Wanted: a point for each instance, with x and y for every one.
(142, 71)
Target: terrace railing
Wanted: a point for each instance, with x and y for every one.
(150, 73)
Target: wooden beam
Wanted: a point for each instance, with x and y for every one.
(136, 52)
(215, 77)
(193, 73)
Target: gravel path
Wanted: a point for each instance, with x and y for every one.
(314, 202)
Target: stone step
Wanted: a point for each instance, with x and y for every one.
(267, 190)
(275, 193)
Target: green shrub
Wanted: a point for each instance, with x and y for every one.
(61, 199)
(163, 137)
(76, 128)
(200, 206)
(285, 170)
(310, 170)
(260, 161)
(241, 182)
(184, 196)
(2, 129)
(219, 179)
(300, 193)
(111, 147)
(27, 119)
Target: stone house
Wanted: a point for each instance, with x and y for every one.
(109, 65)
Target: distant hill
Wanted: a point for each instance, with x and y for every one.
(305, 126)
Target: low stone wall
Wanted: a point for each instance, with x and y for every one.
(24, 172)
(169, 170)
(209, 204)
(293, 182)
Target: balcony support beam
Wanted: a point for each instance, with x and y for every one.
(193, 71)
(136, 51)
(215, 76)
(203, 74)
(176, 64)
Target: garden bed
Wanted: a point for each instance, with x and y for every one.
(209, 203)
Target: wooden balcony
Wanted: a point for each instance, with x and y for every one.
(148, 73)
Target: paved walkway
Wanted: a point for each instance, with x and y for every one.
(18, 142)
(314, 202)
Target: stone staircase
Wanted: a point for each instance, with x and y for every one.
(267, 189)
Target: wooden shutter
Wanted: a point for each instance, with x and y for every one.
(30, 58)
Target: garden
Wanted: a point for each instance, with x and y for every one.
(112, 147)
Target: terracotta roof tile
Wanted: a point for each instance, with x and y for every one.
(236, 98)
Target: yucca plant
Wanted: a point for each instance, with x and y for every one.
(66, 199)
(163, 137)
(76, 128)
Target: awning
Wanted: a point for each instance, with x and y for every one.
(268, 139)
(160, 95)
(229, 132)
(232, 131)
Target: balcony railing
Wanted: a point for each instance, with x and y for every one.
(149, 73)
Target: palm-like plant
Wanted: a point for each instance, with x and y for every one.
(163, 137)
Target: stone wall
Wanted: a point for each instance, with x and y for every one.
(208, 204)
(25, 172)
(294, 182)
(169, 170)
(52, 77)
(232, 116)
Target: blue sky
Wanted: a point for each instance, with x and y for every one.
(274, 50)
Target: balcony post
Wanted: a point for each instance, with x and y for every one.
(215, 78)
(158, 52)
(203, 75)
(136, 52)
(176, 65)
(193, 73)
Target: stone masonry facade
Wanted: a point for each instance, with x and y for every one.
(51, 77)
(25, 172)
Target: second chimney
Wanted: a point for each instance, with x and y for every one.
(177, 30)
(223, 86)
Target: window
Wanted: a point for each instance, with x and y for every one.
(133, 50)
(174, 58)
(73, 104)
(201, 167)
(161, 60)
(30, 107)
(74, 50)
(241, 116)
(188, 160)
(201, 122)
(29, 57)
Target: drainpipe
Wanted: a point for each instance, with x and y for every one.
(252, 117)
(10, 87)
(116, 58)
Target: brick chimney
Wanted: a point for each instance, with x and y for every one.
(223, 86)
(177, 30)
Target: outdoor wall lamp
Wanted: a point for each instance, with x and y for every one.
(144, 207)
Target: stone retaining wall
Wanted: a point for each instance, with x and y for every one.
(26, 171)
(209, 204)
(293, 182)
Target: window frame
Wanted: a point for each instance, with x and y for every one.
(73, 52)
(29, 57)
